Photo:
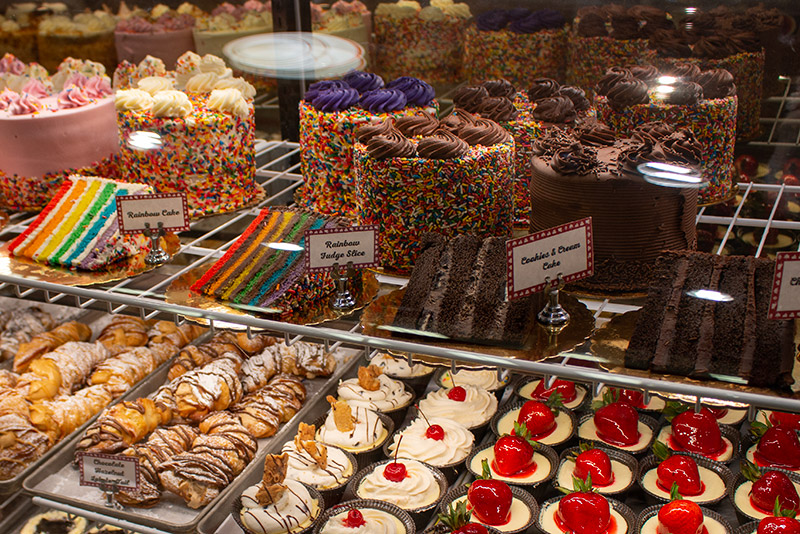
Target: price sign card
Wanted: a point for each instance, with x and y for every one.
(108, 470)
(170, 209)
(565, 250)
(785, 302)
(329, 246)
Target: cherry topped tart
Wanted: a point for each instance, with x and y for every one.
(682, 516)
(516, 459)
(777, 446)
(695, 482)
(611, 471)
(546, 422)
(572, 395)
(584, 511)
(696, 432)
(757, 495)
(633, 397)
(618, 424)
(781, 522)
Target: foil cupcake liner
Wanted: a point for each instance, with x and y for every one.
(383, 506)
(237, 508)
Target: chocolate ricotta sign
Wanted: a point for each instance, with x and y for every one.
(103, 470)
(169, 209)
(564, 251)
(327, 247)
(785, 302)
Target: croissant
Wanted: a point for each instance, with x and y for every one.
(64, 369)
(210, 388)
(163, 444)
(264, 411)
(21, 327)
(122, 333)
(217, 456)
(167, 332)
(20, 444)
(47, 341)
(123, 425)
(122, 371)
(61, 417)
(8, 379)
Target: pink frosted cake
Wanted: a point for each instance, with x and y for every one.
(162, 33)
(349, 19)
(189, 130)
(51, 127)
(329, 116)
(517, 45)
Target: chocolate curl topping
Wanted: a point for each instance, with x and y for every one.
(500, 88)
(542, 88)
(716, 83)
(682, 147)
(390, 145)
(577, 95)
(556, 109)
(685, 94)
(442, 145)
(484, 132)
(456, 120)
(652, 132)
(597, 134)
(470, 97)
(577, 159)
(498, 109)
(610, 79)
(627, 92)
(416, 125)
(368, 131)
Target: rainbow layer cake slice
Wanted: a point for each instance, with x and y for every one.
(78, 228)
(265, 267)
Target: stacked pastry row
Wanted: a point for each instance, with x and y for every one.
(198, 431)
(61, 379)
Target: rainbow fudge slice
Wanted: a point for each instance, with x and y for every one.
(78, 228)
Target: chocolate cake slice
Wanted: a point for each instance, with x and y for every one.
(425, 274)
(733, 340)
(775, 349)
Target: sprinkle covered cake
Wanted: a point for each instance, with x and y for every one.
(681, 334)
(517, 45)
(329, 116)
(685, 97)
(52, 127)
(199, 139)
(452, 177)
(79, 229)
(255, 274)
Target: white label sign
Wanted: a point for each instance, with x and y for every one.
(170, 209)
(108, 470)
(329, 246)
(785, 302)
(565, 250)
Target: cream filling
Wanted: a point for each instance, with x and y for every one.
(294, 510)
(303, 468)
(482, 378)
(666, 433)
(588, 430)
(622, 477)
(543, 467)
(712, 526)
(560, 434)
(741, 498)
(399, 368)
(477, 408)
(390, 396)
(733, 417)
(750, 455)
(520, 515)
(547, 520)
(368, 432)
(455, 447)
(656, 403)
(714, 486)
(526, 391)
(417, 490)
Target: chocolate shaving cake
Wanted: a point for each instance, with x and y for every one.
(681, 334)
(458, 290)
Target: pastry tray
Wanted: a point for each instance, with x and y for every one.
(13, 484)
(57, 480)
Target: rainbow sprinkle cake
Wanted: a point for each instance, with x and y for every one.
(78, 228)
(254, 272)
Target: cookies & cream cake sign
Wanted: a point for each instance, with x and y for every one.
(137, 213)
(327, 247)
(564, 251)
(107, 470)
(785, 302)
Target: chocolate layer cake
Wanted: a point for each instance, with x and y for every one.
(681, 334)
(458, 290)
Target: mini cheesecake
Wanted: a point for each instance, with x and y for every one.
(522, 515)
(741, 499)
(791, 420)
(635, 399)
(572, 395)
(712, 523)
(750, 455)
(543, 469)
(488, 379)
(622, 519)
(724, 455)
(623, 470)
(587, 430)
(712, 476)
(563, 431)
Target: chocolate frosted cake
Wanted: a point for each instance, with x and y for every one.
(590, 172)
(681, 334)
(458, 290)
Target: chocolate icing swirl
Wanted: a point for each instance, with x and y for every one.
(416, 125)
(363, 81)
(542, 88)
(652, 132)
(497, 108)
(716, 83)
(456, 120)
(469, 97)
(500, 88)
(627, 92)
(687, 72)
(335, 99)
(483, 132)
(682, 147)
(597, 134)
(492, 21)
(368, 131)
(647, 73)
(577, 95)
(698, 25)
(624, 27)
(383, 100)
(442, 145)
(576, 159)
(320, 87)
(685, 94)
(745, 41)
(418, 93)
(610, 79)
(592, 25)
(712, 47)
(555, 109)
(668, 43)
(391, 145)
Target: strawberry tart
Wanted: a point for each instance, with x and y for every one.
(776, 446)
(548, 423)
(572, 395)
(698, 479)
(681, 516)
(619, 425)
(612, 472)
(635, 398)
(584, 511)
(762, 492)
(699, 433)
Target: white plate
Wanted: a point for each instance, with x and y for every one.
(295, 55)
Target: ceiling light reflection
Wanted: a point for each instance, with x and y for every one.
(710, 294)
(291, 247)
(667, 80)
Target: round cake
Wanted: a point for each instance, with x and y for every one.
(228, 22)
(517, 45)
(684, 97)
(52, 127)
(85, 36)
(162, 33)
(348, 19)
(592, 173)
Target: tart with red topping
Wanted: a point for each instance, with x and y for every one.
(547, 422)
(572, 395)
(612, 471)
(635, 398)
(776, 446)
(584, 511)
(617, 424)
(681, 516)
(698, 433)
(760, 489)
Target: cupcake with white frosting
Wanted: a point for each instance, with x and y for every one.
(468, 405)
(363, 516)
(488, 379)
(355, 429)
(415, 375)
(375, 391)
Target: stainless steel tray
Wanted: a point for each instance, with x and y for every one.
(57, 481)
